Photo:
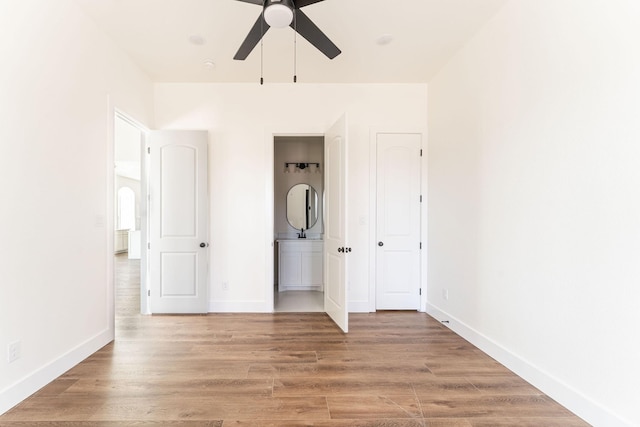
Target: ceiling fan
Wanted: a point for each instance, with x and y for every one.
(282, 13)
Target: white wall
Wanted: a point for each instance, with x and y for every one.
(534, 176)
(56, 211)
(241, 119)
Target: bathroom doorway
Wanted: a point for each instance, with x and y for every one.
(298, 223)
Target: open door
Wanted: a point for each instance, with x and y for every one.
(336, 252)
(178, 222)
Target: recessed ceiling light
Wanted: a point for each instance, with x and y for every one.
(209, 65)
(196, 39)
(384, 39)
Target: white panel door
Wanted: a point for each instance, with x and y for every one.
(335, 250)
(178, 221)
(398, 221)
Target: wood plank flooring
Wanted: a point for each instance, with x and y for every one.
(394, 369)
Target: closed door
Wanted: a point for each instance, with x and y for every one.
(178, 222)
(336, 253)
(398, 221)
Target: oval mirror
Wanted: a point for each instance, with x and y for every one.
(302, 206)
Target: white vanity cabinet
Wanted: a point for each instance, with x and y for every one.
(300, 265)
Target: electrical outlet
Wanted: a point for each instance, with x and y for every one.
(445, 294)
(225, 286)
(13, 352)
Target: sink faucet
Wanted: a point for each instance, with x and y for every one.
(301, 234)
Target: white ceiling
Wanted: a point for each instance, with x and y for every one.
(155, 33)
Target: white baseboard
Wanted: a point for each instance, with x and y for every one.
(359, 307)
(17, 392)
(567, 396)
(216, 306)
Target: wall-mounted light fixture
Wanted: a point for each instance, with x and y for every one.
(301, 166)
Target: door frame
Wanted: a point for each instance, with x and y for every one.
(373, 174)
(271, 133)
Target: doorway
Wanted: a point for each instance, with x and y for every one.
(128, 145)
(298, 223)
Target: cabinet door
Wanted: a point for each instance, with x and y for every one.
(314, 268)
(290, 268)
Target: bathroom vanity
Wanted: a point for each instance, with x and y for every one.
(300, 265)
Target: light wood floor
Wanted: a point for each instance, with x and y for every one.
(394, 369)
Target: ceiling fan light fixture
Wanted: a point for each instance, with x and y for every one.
(282, 13)
(278, 15)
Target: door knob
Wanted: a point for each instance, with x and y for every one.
(203, 245)
(341, 250)
(347, 250)
(380, 243)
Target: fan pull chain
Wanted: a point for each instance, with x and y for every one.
(295, 46)
(262, 50)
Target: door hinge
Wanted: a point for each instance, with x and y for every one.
(421, 198)
(149, 293)
(148, 245)
(420, 291)
(420, 245)
(148, 150)
(421, 152)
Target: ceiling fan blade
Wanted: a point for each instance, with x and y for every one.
(259, 29)
(258, 2)
(303, 3)
(307, 29)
